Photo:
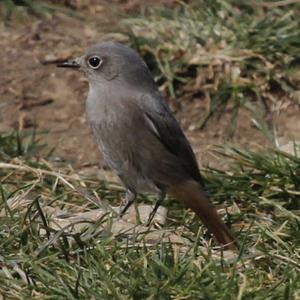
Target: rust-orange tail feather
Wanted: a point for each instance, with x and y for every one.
(193, 197)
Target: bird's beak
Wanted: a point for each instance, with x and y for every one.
(72, 63)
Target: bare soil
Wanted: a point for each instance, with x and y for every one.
(36, 93)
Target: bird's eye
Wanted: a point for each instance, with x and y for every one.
(94, 62)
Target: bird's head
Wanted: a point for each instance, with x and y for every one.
(109, 61)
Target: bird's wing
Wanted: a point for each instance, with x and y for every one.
(165, 127)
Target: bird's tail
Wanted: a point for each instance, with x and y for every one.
(194, 197)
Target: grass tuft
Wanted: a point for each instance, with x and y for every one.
(231, 54)
(37, 8)
(38, 261)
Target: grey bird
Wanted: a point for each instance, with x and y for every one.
(139, 136)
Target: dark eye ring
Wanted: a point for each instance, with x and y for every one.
(94, 62)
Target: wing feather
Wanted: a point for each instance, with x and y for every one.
(166, 128)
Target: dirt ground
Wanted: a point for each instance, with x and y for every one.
(36, 93)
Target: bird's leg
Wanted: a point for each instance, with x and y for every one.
(160, 198)
(129, 198)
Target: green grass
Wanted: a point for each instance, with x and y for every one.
(11, 9)
(38, 8)
(38, 262)
(236, 54)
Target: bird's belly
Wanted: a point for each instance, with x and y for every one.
(141, 184)
(129, 176)
(115, 158)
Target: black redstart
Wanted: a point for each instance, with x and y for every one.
(139, 136)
